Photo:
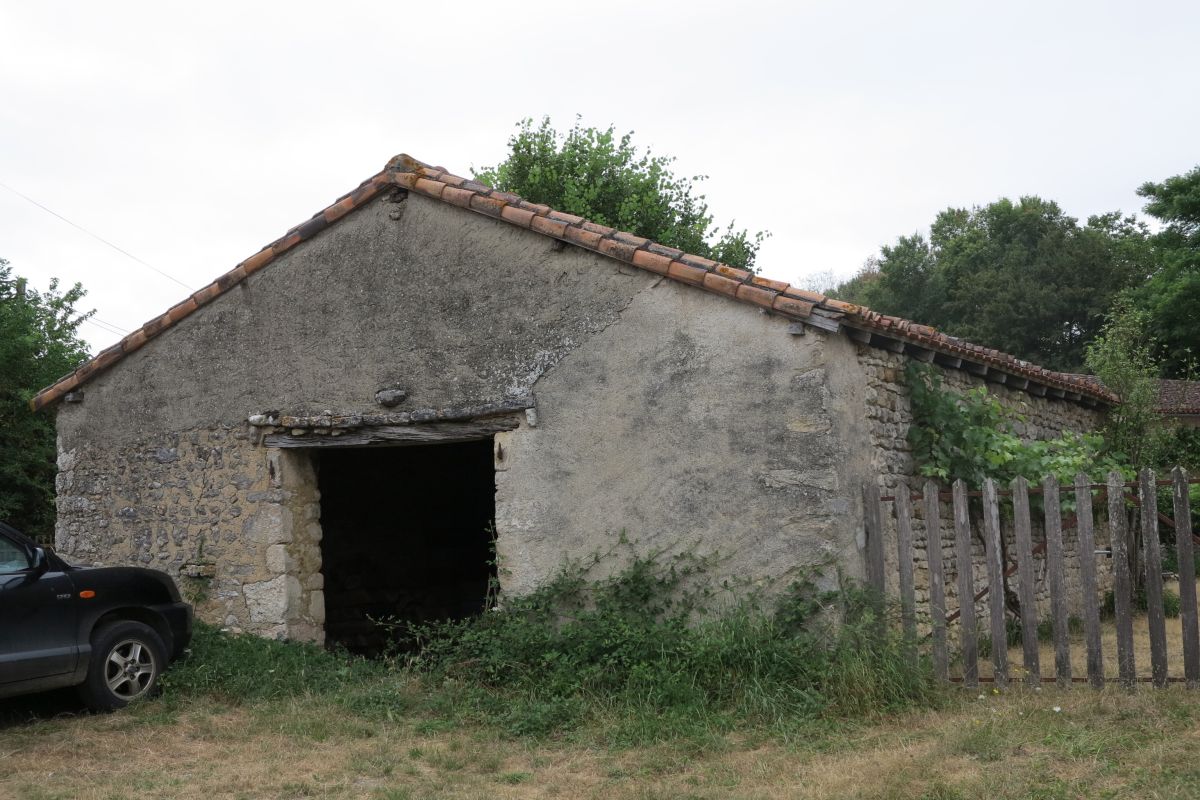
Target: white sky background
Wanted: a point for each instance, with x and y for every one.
(191, 136)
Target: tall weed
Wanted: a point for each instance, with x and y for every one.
(649, 653)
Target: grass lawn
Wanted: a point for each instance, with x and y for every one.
(618, 705)
(1021, 744)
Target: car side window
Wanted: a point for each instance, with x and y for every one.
(12, 557)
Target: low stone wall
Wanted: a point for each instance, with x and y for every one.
(889, 416)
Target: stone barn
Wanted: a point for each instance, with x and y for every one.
(430, 378)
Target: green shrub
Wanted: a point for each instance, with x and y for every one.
(1171, 603)
(644, 642)
(647, 654)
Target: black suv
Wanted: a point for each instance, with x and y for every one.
(111, 631)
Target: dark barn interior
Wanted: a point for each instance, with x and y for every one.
(406, 536)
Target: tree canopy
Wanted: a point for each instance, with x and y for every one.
(1170, 291)
(1022, 277)
(39, 342)
(596, 174)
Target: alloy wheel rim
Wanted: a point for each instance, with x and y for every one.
(129, 669)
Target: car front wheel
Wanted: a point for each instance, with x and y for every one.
(127, 659)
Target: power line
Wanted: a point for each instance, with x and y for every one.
(107, 327)
(100, 239)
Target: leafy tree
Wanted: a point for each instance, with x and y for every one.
(1170, 294)
(39, 343)
(1122, 356)
(1022, 277)
(596, 174)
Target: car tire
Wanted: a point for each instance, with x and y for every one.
(127, 660)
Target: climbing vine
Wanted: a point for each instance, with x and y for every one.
(971, 436)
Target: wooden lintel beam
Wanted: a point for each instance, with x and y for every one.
(823, 321)
(860, 336)
(433, 433)
(795, 328)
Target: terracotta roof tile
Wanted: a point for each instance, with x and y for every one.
(1179, 397)
(720, 284)
(616, 248)
(724, 270)
(603, 230)
(789, 305)
(651, 261)
(429, 187)
(756, 295)
(550, 227)
(686, 272)
(570, 219)
(487, 205)
(767, 283)
(405, 172)
(663, 250)
(134, 340)
(458, 197)
(517, 216)
(701, 261)
(580, 236)
(629, 238)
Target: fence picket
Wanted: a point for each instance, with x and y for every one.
(874, 543)
(1119, 537)
(1057, 575)
(904, 553)
(1187, 578)
(937, 580)
(1024, 541)
(995, 573)
(1148, 494)
(1087, 579)
(966, 586)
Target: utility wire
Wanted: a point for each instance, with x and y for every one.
(107, 327)
(94, 236)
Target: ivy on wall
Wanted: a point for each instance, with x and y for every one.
(972, 436)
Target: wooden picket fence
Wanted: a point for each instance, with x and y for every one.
(1119, 498)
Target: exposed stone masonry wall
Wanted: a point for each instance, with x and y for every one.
(889, 416)
(236, 524)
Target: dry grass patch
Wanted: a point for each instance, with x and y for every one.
(1014, 745)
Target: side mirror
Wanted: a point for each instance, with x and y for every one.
(41, 564)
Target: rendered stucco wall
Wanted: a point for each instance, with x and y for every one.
(694, 423)
(678, 417)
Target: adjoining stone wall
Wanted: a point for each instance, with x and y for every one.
(889, 416)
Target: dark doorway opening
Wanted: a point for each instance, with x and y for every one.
(406, 535)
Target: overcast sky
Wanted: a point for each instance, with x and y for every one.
(192, 135)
